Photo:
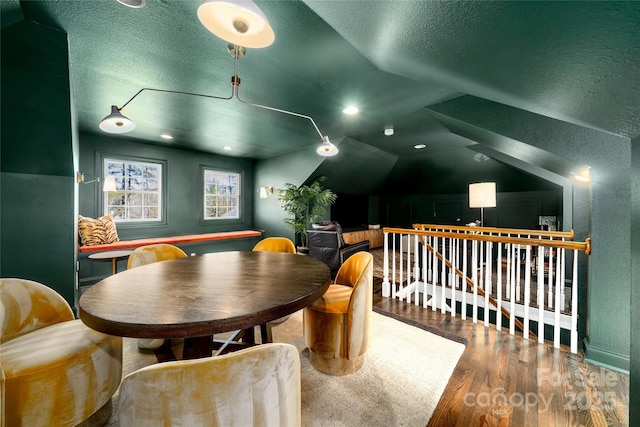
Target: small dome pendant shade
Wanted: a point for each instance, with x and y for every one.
(116, 122)
(327, 149)
(238, 22)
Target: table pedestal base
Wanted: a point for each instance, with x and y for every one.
(204, 346)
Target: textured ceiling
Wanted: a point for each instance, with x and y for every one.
(575, 62)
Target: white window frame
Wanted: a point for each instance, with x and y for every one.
(222, 190)
(149, 190)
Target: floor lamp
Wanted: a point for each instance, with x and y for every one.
(482, 195)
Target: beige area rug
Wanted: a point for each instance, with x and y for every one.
(404, 374)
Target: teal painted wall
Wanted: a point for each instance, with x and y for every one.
(634, 387)
(294, 168)
(183, 191)
(37, 176)
(609, 156)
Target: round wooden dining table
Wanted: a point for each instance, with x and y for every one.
(197, 297)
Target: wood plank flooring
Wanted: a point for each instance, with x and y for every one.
(505, 380)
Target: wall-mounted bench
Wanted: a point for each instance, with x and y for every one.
(91, 272)
(173, 240)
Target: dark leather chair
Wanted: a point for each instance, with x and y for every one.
(327, 245)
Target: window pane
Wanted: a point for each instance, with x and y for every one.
(221, 191)
(138, 195)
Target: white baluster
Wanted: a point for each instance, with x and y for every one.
(454, 284)
(435, 274)
(486, 268)
(527, 291)
(386, 287)
(540, 275)
(463, 307)
(574, 304)
(499, 287)
(474, 279)
(550, 276)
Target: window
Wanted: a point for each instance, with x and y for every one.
(138, 195)
(221, 195)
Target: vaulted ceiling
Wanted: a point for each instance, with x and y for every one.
(406, 64)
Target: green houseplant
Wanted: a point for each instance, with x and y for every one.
(306, 204)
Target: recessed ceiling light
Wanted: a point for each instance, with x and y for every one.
(166, 136)
(388, 131)
(351, 110)
(226, 148)
(419, 146)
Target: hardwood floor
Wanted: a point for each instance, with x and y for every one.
(505, 380)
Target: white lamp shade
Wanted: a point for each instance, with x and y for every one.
(116, 122)
(327, 149)
(109, 184)
(238, 22)
(482, 195)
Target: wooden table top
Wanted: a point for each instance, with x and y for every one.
(203, 295)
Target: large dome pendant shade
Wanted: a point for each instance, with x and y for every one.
(238, 22)
(116, 122)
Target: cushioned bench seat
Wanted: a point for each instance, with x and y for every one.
(174, 240)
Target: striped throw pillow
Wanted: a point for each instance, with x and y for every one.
(98, 231)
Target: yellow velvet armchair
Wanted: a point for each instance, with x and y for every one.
(275, 244)
(258, 386)
(337, 325)
(55, 371)
(154, 253)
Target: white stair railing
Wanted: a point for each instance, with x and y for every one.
(489, 271)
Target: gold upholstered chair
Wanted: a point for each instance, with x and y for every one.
(275, 244)
(147, 255)
(154, 253)
(337, 325)
(257, 386)
(55, 371)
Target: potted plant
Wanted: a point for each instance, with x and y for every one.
(306, 204)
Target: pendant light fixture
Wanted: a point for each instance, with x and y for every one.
(237, 22)
(242, 24)
(116, 122)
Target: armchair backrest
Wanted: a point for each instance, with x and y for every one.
(26, 306)
(258, 386)
(154, 253)
(357, 272)
(275, 244)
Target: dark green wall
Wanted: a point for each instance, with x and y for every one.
(513, 210)
(183, 191)
(37, 183)
(634, 389)
(293, 168)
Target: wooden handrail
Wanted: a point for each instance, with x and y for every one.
(581, 246)
(542, 233)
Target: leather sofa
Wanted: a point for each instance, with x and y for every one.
(326, 243)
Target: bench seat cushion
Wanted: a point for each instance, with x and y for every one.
(76, 368)
(173, 240)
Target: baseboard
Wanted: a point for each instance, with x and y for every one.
(608, 359)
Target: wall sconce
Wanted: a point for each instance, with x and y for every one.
(583, 176)
(109, 182)
(482, 195)
(265, 191)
